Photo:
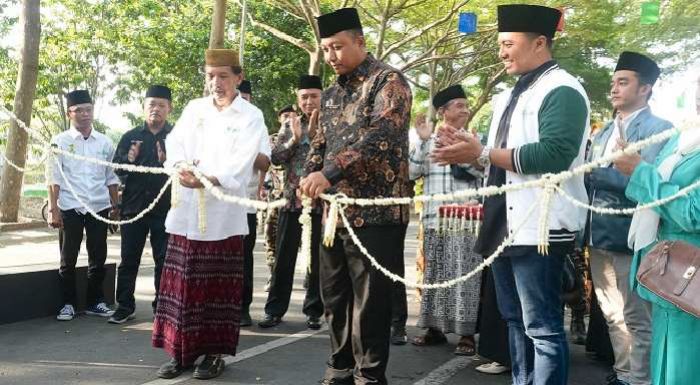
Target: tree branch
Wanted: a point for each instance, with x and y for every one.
(423, 30)
(282, 35)
(486, 94)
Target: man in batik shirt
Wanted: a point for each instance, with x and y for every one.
(289, 151)
(360, 150)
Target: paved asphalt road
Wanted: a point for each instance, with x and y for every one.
(87, 350)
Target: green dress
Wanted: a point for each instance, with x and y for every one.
(675, 355)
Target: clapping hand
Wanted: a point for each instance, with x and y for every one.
(456, 146)
(626, 163)
(160, 152)
(134, 151)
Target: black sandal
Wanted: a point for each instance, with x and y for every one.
(211, 367)
(465, 347)
(429, 338)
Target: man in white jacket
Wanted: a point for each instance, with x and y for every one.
(538, 127)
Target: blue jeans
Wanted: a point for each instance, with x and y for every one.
(528, 289)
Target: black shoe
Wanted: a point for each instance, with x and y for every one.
(336, 381)
(170, 369)
(211, 367)
(245, 319)
(121, 316)
(613, 380)
(269, 321)
(398, 336)
(578, 332)
(313, 323)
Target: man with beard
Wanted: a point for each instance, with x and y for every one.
(199, 304)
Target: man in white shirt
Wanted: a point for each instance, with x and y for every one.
(254, 189)
(199, 303)
(74, 187)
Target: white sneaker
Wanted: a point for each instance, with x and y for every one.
(67, 313)
(100, 310)
(492, 368)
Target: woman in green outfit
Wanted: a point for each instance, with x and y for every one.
(675, 356)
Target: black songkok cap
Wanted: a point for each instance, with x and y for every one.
(449, 93)
(309, 81)
(245, 87)
(528, 18)
(644, 66)
(337, 21)
(158, 91)
(286, 109)
(77, 97)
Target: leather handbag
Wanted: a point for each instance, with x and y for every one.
(671, 270)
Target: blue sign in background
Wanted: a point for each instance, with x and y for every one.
(467, 22)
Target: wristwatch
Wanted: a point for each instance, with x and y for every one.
(484, 160)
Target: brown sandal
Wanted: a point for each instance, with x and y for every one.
(429, 338)
(465, 346)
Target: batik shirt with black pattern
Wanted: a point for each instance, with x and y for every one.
(362, 144)
(292, 156)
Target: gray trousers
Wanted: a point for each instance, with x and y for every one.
(628, 316)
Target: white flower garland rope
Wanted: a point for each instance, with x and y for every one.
(92, 212)
(549, 184)
(439, 285)
(26, 167)
(630, 211)
(487, 191)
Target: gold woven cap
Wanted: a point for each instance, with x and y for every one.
(221, 57)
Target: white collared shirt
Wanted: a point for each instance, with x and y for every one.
(252, 188)
(88, 180)
(620, 124)
(225, 144)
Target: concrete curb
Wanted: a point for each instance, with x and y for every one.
(29, 224)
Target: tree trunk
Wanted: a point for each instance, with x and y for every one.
(241, 43)
(11, 181)
(218, 23)
(431, 91)
(315, 61)
(216, 34)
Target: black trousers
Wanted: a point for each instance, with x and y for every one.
(133, 241)
(288, 242)
(71, 237)
(399, 304)
(248, 247)
(357, 307)
(493, 330)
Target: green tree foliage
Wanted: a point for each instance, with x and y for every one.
(273, 68)
(120, 47)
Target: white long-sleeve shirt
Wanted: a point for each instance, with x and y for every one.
(225, 144)
(254, 182)
(88, 180)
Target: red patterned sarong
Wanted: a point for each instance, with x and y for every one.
(199, 302)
